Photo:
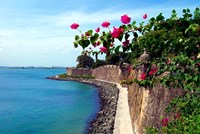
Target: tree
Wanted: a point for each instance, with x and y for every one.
(85, 61)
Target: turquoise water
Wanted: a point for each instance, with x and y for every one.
(32, 104)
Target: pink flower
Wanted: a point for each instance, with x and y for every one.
(103, 49)
(117, 32)
(143, 76)
(177, 115)
(129, 69)
(105, 24)
(74, 26)
(144, 16)
(87, 34)
(168, 61)
(96, 44)
(125, 19)
(154, 69)
(165, 122)
(97, 29)
(125, 43)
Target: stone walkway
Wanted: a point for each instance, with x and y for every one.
(122, 119)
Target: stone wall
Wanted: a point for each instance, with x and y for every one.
(108, 73)
(148, 105)
(79, 71)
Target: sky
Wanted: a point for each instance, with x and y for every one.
(38, 33)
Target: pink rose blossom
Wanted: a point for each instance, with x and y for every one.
(117, 32)
(129, 69)
(105, 24)
(125, 19)
(168, 62)
(165, 122)
(74, 26)
(143, 76)
(154, 69)
(125, 43)
(96, 44)
(103, 49)
(144, 16)
(97, 29)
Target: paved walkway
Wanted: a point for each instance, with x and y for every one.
(122, 119)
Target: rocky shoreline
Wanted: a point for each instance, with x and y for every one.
(108, 93)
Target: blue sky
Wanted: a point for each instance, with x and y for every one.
(37, 32)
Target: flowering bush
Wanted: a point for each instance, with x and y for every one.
(174, 47)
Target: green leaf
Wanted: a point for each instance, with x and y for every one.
(77, 37)
(126, 36)
(94, 38)
(194, 27)
(75, 44)
(84, 43)
(117, 49)
(125, 49)
(152, 20)
(160, 17)
(129, 26)
(89, 32)
(135, 34)
(120, 37)
(133, 23)
(195, 78)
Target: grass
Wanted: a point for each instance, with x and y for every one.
(85, 77)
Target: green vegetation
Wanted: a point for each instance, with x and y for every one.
(84, 77)
(174, 47)
(62, 75)
(85, 61)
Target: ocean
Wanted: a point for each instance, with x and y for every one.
(32, 104)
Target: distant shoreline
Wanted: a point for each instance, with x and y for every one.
(31, 67)
(108, 93)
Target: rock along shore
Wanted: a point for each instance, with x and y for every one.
(105, 118)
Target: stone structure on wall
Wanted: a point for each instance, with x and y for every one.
(148, 105)
(79, 71)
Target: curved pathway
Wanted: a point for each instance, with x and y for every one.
(123, 123)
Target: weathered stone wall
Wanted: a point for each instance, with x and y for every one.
(107, 73)
(148, 105)
(110, 73)
(79, 71)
